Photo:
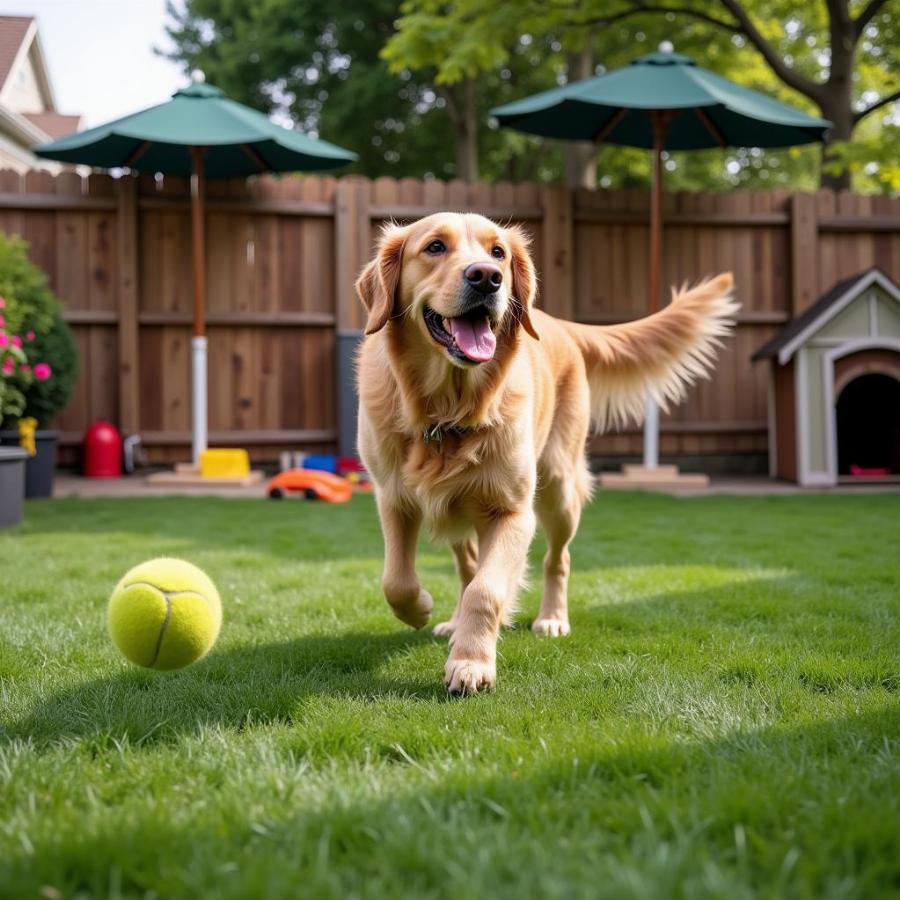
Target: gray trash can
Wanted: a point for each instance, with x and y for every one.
(12, 485)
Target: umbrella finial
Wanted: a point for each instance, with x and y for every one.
(198, 76)
(666, 47)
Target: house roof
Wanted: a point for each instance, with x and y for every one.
(794, 334)
(54, 124)
(13, 30)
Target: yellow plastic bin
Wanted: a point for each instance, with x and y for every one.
(224, 463)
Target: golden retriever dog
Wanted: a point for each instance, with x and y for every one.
(474, 412)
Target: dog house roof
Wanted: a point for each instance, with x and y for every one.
(787, 341)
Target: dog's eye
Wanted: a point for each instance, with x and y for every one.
(436, 247)
(498, 252)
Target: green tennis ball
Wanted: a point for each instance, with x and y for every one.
(164, 614)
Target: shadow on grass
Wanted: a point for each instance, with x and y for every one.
(781, 811)
(262, 683)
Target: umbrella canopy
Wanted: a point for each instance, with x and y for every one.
(238, 140)
(707, 110)
(201, 133)
(662, 101)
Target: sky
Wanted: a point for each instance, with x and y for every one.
(100, 54)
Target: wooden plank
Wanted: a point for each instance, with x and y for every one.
(804, 252)
(404, 212)
(557, 275)
(127, 269)
(849, 223)
(103, 274)
(308, 208)
(71, 248)
(249, 436)
(91, 316)
(633, 217)
(351, 242)
(176, 378)
(748, 317)
(56, 202)
(102, 366)
(692, 426)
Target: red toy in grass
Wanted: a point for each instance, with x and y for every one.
(314, 484)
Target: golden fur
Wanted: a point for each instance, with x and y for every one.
(526, 415)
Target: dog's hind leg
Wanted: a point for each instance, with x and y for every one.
(465, 553)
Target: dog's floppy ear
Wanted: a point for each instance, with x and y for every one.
(524, 281)
(377, 283)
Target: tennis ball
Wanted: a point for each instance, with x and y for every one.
(164, 614)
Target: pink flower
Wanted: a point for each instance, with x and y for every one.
(42, 371)
(8, 366)
(29, 336)
(4, 340)
(2, 303)
(17, 341)
(25, 369)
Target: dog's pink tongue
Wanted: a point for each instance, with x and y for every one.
(474, 337)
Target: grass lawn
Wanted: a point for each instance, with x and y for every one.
(724, 720)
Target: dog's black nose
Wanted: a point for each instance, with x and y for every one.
(485, 277)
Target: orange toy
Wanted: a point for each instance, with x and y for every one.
(313, 484)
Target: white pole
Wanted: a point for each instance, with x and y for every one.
(198, 393)
(651, 434)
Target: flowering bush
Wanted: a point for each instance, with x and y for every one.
(17, 374)
(38, 356)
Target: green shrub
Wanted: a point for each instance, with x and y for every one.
(32, 307)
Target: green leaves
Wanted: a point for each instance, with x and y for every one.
(32, 307)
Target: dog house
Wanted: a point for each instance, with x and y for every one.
(834, 386)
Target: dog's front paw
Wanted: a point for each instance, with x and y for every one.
(469, 676)
(415, 611)
(551, 626)
(444, 629)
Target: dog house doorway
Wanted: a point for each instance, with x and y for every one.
(867, 416)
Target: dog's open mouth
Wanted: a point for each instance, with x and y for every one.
(468, 338)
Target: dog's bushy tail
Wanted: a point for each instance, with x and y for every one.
(661, 354)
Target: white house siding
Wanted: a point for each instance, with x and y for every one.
(22, 93)
(13, 156)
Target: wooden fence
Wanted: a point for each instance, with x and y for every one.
(283, 255)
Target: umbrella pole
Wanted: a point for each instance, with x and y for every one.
(198, 341)
(660, 120)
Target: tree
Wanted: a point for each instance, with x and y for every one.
(840, 56)
(316, 65)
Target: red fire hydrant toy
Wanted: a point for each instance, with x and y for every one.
(102, 451)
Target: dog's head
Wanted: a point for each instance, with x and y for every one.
(458, 283)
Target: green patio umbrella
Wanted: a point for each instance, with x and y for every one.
(662, 101)
(199, 132)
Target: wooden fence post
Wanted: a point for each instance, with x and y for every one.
(557, 282)
(351, 247)
(129, 374)
(804, 252)
(352, 227)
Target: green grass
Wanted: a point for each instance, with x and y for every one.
(724, 720)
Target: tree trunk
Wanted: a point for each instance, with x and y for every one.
(462, 110)
(837, 101)
(841, 114)
(580, 156)
(467, 138)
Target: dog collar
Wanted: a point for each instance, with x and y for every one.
(436, 433)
